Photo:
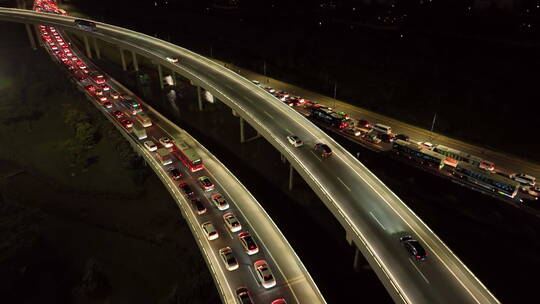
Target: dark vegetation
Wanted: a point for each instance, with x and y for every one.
(82, 220)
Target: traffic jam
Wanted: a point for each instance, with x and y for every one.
(470, 170)
(235, 247)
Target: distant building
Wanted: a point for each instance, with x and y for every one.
(503, 5)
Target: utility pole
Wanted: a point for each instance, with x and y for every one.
(211, 51)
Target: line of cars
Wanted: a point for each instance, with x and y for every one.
(261, 268)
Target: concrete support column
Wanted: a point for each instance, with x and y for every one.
(96, 48)
(234, 113)
(199, 98)
(242, 135)
(160, 72)
(357, 256)
(123, 58)
(291, 176)
(87, 47)
(135, 64)
(31, 36)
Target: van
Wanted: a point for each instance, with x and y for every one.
(382, 128)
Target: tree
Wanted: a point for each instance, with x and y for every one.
(85, 134)
(72, 117)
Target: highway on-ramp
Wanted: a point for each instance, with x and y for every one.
(372, 215)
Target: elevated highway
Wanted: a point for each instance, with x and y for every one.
(372, 215)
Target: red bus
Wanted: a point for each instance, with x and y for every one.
(188, 156)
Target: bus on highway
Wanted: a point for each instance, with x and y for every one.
(187, 155)
(486, 179)
(130, 104)
(144, 119)
(330, 117)
(464, 157)
(415, 152)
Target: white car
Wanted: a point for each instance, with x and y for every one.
(295, 141)
(265, 276)
(219, 201)
(232, 222)
(228, 258)
(210, 231)
(166, 142)
(427, 145)
(172, 59)
(256, 82)
(524, 179)
(150, 145)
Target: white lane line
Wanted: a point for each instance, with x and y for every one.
(423, 276)
(288, 130)
(339, 179)
(268, 114)
(377, 220)
(317, 156)
(228, 231)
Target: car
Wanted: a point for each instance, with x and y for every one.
(364, 123)
(243, 296)
(172, 59)
(107, 104)
(118, 114)
(353, 131)
(264, 274)
(105, 87)
(210, 231)
(205, 183)
(524, 179)
(201, 209)
(175, 173)
(323, 149)
(232, 222)
(414, 247)
(126, 123)
(279, 301)
(295, 141)
(71, 68)
(427, 145)
(256, 82)
(150, 145)
(99, 79)
(186, 189)
(69, 54)
(532, 191)
(115, 95)
(166, 142)
(227, 256)
(403, 137)
(388, 138)
(372, 138)
(219, 201)
(54, 47)
(81, 78)
(103, 99)
(248, 243)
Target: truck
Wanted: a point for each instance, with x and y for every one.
(139, 131)
(164, 156)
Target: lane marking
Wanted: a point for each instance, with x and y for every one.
(377, 220)
(423, 276)
(339, 179)
(268, 114)
(317, 156)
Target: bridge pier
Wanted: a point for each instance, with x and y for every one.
(87, 47)
(96, 48)
(242, 135)
(291, 176)
(123, 58)
(234, 113)
(135, 63)
(31, 36)
(200, 99)
(160, 72)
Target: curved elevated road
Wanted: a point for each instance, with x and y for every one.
(373, 216)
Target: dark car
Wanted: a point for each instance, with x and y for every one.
(323, 149)
(414, 247)
(243, 296)
(386, 137)
(201, 209)
(186, 189)
(364, 123)
(118, 114)
(403, 137)
(175, 173)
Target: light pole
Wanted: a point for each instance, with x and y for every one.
(335, 92)
(432, 126)
(264, 70)
(211, 51)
